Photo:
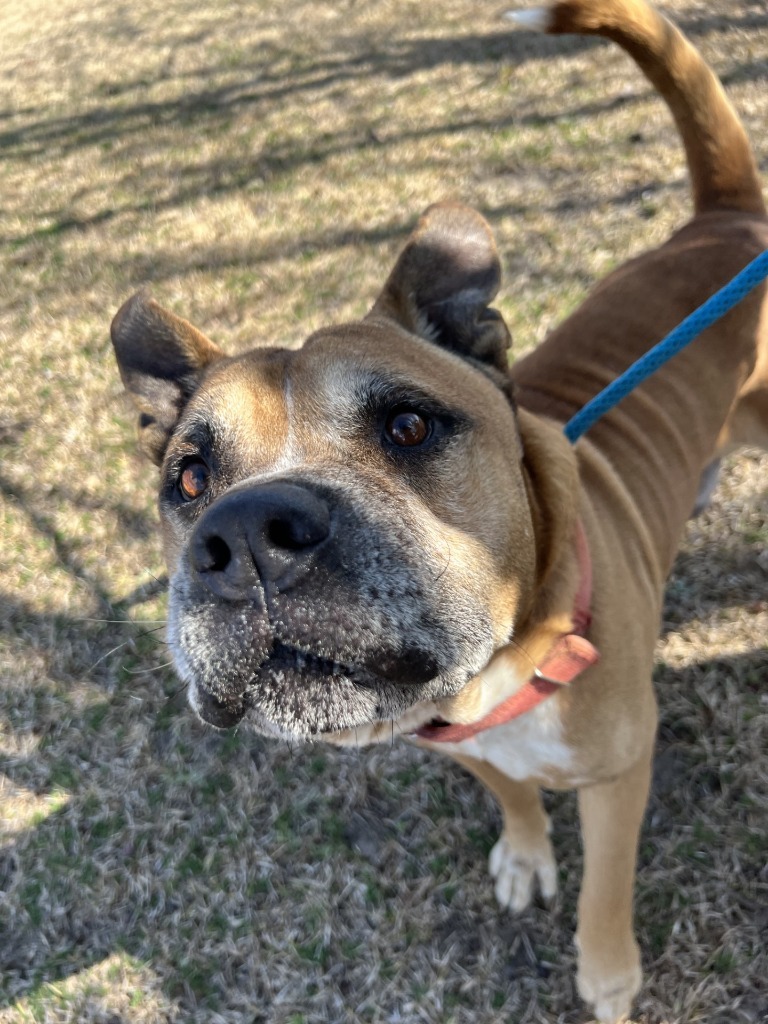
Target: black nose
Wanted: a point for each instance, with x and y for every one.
(254, 535)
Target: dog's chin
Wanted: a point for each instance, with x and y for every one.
(404, 726)
(302, 696)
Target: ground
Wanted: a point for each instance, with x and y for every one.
(257, 165)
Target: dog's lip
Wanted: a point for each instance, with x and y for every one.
(227, 713)
(284, 654)
(219, 713)
(290, 664)
(412, 671)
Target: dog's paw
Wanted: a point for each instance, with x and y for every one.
(610, 994)
(515, 871)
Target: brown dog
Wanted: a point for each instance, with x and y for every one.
(388, 525)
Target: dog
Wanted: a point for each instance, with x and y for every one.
(387, 525)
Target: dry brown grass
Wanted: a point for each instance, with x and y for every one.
(259, 164)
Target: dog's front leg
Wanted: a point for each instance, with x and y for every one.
(523, 853)
(609, 972)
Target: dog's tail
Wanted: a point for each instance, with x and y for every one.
(720, 161)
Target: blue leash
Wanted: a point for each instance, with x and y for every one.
(702, 318)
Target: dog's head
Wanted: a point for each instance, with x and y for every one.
(347, 525)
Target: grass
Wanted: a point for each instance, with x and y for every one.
(258, 166)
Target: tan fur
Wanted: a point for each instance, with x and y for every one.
(639, 471)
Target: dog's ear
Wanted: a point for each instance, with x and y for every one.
(443, 282)
(161, 358)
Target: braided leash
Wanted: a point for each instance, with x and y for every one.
(713, 309)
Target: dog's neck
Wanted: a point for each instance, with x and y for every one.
(545, 613)
(570, 655)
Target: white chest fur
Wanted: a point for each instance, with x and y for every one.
(528, 747)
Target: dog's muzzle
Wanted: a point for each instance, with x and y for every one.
(305, 606)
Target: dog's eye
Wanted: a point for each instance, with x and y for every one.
(193, 480)
(407, 428)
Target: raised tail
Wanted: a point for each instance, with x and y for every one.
(722, 167)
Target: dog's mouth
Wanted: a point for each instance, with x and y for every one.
(409, 667)
(286, 656)
(304, 673)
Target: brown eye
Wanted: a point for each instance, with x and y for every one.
(194, 480)
(406, 428)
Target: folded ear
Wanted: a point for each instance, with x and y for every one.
(161, 359)
(443, 282)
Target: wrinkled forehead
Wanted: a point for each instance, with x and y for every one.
(271, 395)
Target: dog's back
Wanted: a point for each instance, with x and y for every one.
(642, 301)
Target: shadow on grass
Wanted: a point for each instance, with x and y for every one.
(732, 575)
(133, 522)
(166, 840)
(390, 58)
(404, 58)
(116, 121)
(172, 264)
(219, 178)
(70, 885)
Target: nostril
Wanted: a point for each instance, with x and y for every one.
(293, 534)
(218, 554)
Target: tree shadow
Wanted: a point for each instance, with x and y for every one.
(201, 108)
(393, 59)
(728, 575)
(134, 522)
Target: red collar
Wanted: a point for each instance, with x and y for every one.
(571, 655)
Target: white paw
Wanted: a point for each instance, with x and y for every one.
(610, 996)
(515, 872)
